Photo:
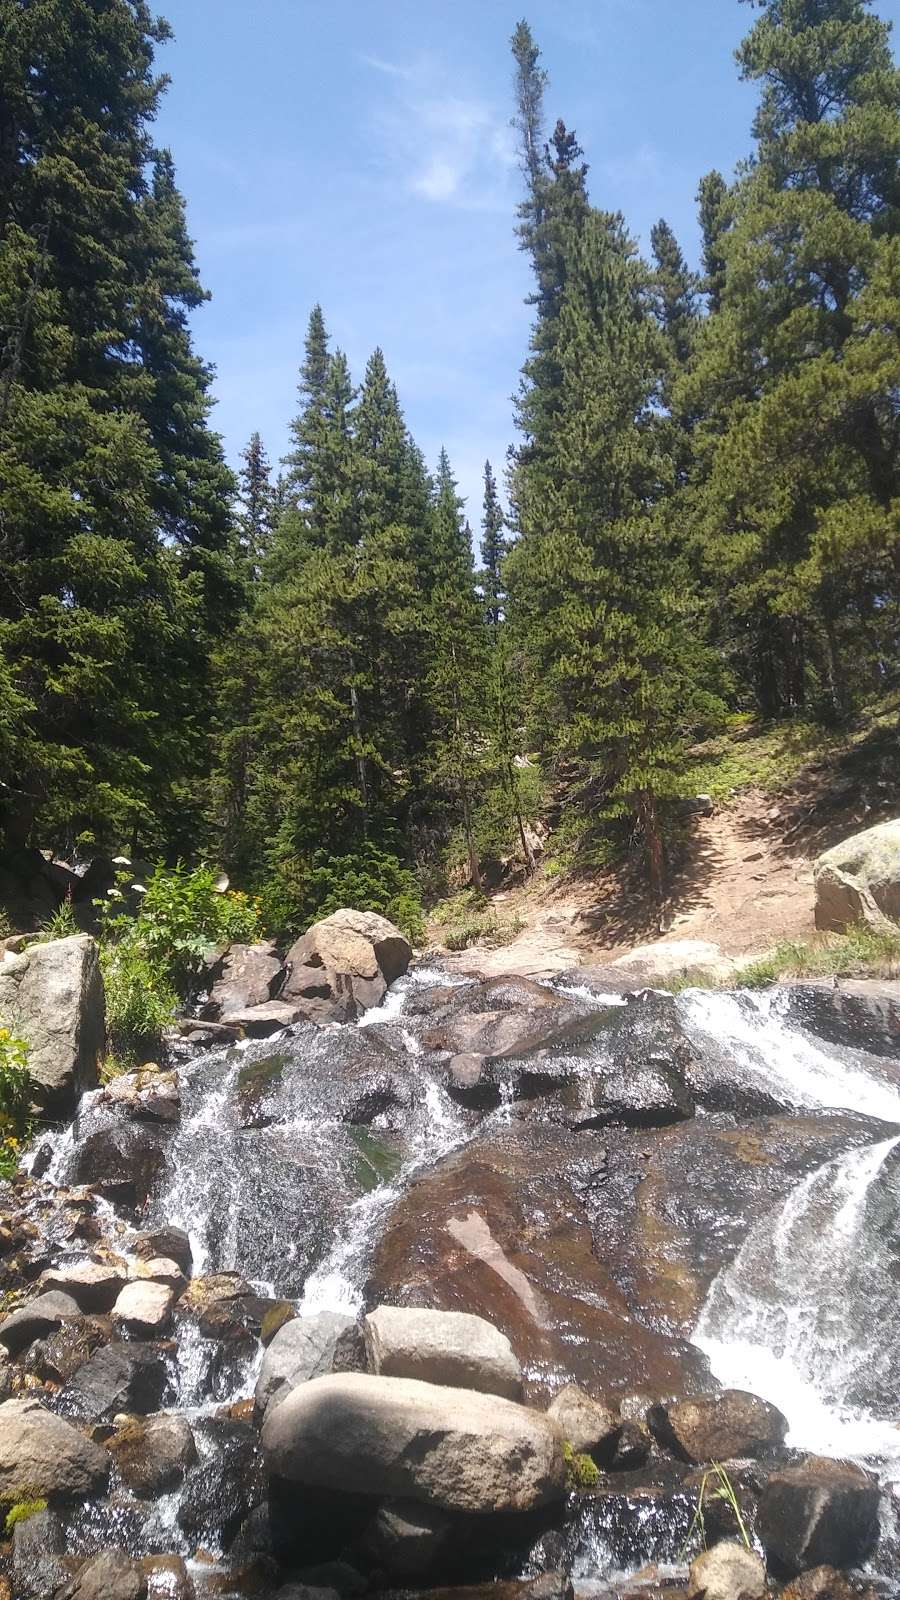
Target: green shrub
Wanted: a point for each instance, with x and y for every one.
(16, 1092)
(140, 1000)
(21, 1511)
(860, 952)
(61, 925)
(368, 879)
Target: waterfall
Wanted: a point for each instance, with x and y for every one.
(807, 1313)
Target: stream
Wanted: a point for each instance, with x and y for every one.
(299, 1161)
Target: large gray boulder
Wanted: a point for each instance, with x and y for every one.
(37, 1318)
(343, 965)
(43, 1456)
(453, 1348)
(396, 1437)
(52, 994)
(246, 975)
(859, 880)
(301, 1350)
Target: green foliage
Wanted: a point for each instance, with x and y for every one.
(468, 919)
(860, 952)
(62, 923)
(369, 879)
(16, 1090)
(715, 1485)
(21, 1511)
(582, 1472)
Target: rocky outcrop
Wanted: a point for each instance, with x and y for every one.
(41, 1455)
(93, 1285)
(500, 1018)
(245, 975)
(452, 1348)
(821, 1513)
(118, 1377)
(112, 1575)
(53, 995)
(386, 1437)
(668, 960)
(720, 1427)
(858, 1013)
(343, 965)
(729, 1571)
(302, 1349)
(859, 880)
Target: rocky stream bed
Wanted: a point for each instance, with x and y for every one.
(678, 1221)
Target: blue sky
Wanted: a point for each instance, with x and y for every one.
(360, 154)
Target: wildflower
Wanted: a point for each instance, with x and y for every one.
(139, 888)
(121, 861)
(114, 894)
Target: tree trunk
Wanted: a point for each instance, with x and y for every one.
(361, 775)
(655, 852)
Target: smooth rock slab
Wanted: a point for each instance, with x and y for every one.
(729, 1571)
(453, 1348)
(144, 1308)
(153, 1453)
(44, 1456)
(397, 1437)
(302, 1349)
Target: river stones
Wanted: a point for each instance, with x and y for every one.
(396, 1437)
(719, 1427)
(588, 1425)
(122, 1159)
(118, 1377)
(821, 1513)
(302, 1349)
(39, 1317)
(43, 1456)
(146, 1096)
(112, 1575)
(168, 1242)
(452, 1348)
(729, 1571)
(144, 1308)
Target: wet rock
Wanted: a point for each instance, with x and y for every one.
(344, 964)
(717, 1427)
(53, 993)
(550, 1586)
(821, 1513)
(261, 1022)
(43, 1456)
(36, 1319)
(452, 1348)
(728, 1571)
(225, 1307)
(858, 1013)
(275, 1318)
(167, 1578)
(59, 1356)
(408, 1541)
(821, 1583)
(450, 1448)
(504, 1228)
(222, 1490)
(158, 1269)
(118, 1377)
(147, 1096)
(122, 1160)
(171, 1243)
(632, 1447)
(112, 1575)
(302, 1349)
(588, 1425)
(93, 1285)
(502, 1018)
(38, 1548)
(245, 975)
(144, 1308)
(643, 1083)
(153, 1454)
(859, 880)
(471, 1083)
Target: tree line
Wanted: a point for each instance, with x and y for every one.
(313, 677)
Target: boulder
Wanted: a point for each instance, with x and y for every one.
(172, 1243)
(59, 1355)
(674, 960)
(158, 1269)
(862, 1013)
(719, 1427)
(167, 1578)
(500, 1018)
(729, 1571)
(588, 1425)
(344, 964)
(397, 1437)
(859, 880)
(93, 1285)
(37, 1318)
(453, 1348)
(820, 1513)
(153, 1453)
(245, 975)
(824, 1583)
(43, 1456)
(405, 1540)
(53, 995)
(121, 1159)
(148, 1095)
(260, 1022)
(38, 1548)
(112, 1575)
(144, 1308)
(303, 1348)
(118, 1377)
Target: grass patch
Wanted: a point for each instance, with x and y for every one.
(469, 918)
(862, 952)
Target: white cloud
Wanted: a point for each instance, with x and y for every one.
(448, 149)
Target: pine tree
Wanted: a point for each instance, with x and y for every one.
(117, 565)
(800, 450)
(493, 547)
(713, 201)
(674, 292)
(258, 503)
